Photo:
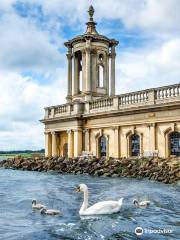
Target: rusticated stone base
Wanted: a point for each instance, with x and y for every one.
(163, 170)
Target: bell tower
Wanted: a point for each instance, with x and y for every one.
(91, 64)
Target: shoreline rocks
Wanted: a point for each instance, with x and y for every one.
(159, 169)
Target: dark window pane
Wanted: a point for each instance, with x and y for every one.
(103, 146)
(135, 145)
(175, 143)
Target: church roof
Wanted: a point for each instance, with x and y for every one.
(91, 33)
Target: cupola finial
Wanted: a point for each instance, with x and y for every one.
(91, 13)
(91, 25)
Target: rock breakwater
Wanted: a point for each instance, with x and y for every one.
(163, 170)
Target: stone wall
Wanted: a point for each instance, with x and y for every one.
(163, 170)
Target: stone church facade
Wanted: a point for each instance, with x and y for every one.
(94, 120)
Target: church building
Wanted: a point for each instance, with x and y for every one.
(96, 121)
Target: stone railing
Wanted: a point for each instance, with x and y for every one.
(60, 109)
(101, 103)
(133, 98)
(147, 97)
(54, 111)
(167, 92)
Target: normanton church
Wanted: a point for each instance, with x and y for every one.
(97, 121)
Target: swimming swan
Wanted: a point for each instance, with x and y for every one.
(36, 205)
(106, 207)
(141, 204)
(50, 211)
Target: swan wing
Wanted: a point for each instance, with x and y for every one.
(52, 211)
(144, 203)
(38, 206)
(106, 207)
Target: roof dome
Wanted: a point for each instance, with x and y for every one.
(91, 33)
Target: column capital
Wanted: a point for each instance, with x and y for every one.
(83, 51)
(85, 130)
(115, 128)
(69, 131)
(69, 56)
(53, 133)
(151, 125)
(112, 55)
(77, 130)
(69, 49)
(46, 133)
(88, 49)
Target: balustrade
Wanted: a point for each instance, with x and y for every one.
(133, 98)
(101, 103)
(167, 92)
(140, 98)
(60, 109)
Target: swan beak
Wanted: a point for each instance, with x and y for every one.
(77, 189)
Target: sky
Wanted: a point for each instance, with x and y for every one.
(33, 66)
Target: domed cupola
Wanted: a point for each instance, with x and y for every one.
(89, 55)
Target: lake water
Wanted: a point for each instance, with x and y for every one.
(19, 222)
(2, 158)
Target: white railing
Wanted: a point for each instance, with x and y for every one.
(133, 98)
(167, 92)
(101, 103)
(151, 96)
(60, 109)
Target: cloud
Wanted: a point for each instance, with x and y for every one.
(149, 67)
(151, 16)
(22, 104)
(24, 47)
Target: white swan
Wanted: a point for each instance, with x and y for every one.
(50, 211)
(142, 203)
(106, 207)
(36, 205)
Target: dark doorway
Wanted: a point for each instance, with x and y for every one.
(103, 143)
(65, 150)
(174, 143)
(135, 145)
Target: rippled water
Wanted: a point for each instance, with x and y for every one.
(19, 222)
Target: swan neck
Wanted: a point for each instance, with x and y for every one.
(85, 202)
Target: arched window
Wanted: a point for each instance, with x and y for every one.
(101, 76)
(78, 69)
(174, 139)
(102, 145)
(101, 57)
(135, 145)
(80, 76)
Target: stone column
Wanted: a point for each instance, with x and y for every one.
(54, 144)
(83, 70)
(88, 67)
(116, 142)
(70, 143)
(77, 142)
(76, 80)
(107, 74)
(87, 142)
(88, 70)
(113, 55)
(48, 144)
(152, 137)
(69, 86)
